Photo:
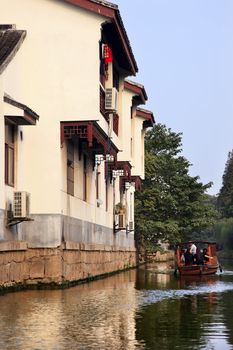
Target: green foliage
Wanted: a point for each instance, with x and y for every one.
(225, 198)
(223, 231)
(172, 204)
(224, 228)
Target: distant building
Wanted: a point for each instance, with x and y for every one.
(71, 131)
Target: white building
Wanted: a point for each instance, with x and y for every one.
(83, 158)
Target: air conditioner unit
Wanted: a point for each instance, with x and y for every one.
(111, 99)
(121, 221)
(21, 205)
(131, 225)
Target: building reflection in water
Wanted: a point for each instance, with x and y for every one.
(100, 315)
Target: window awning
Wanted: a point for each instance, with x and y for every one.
(125, 166)
(138, 90)
(90, 132)
(122, 169)
(22, 114)
(148, 117)
(137, 181)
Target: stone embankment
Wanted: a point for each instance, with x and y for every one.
(158, 256)
(22, 267)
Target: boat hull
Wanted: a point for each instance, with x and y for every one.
(197, 270)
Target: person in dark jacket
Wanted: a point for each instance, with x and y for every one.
(188, 257)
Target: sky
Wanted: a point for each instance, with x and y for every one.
(184, 52)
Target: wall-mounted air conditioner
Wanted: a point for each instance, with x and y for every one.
(131, 225)
(21, 205)
(111, 99)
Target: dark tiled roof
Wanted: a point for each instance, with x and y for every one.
(127, 40)
(106, 3)
(10, 41)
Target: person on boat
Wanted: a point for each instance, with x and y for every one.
(182, 257)
(188, 256)
(205, 257)
(198, 257)
(193, 248)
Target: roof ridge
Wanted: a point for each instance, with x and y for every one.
(144, 110)
(106, 3)
(134, 83)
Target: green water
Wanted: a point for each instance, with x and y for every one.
(138, 309)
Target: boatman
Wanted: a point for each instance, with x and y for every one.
(193, 248)
(206, 258)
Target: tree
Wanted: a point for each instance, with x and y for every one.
(223, 233)
(225, 197)
(172, 204)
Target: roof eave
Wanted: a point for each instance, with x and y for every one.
(15, 47)
(137, 89)
(147, 115)
(111, 12)
(28, 112)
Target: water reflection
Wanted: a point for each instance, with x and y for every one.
(146, 308)
(96, 315)
(189, 315)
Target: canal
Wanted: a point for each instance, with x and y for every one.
(137, 309)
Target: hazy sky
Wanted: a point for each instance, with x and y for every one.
(184, 51)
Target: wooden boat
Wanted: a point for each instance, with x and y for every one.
(199, 265)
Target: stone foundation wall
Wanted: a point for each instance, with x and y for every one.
(72, 262)
(158, 256)
(50, 230)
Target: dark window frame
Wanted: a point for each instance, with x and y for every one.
(70, 168)
(10, 154)
(85, 170)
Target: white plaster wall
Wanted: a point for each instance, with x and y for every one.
(129, 201)
(57, 59)
(116, 187)
(131, 128)
(2, 148)
(138, 147)
(143, 153)
(75, 206)
(56, 74)
(125, 126)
